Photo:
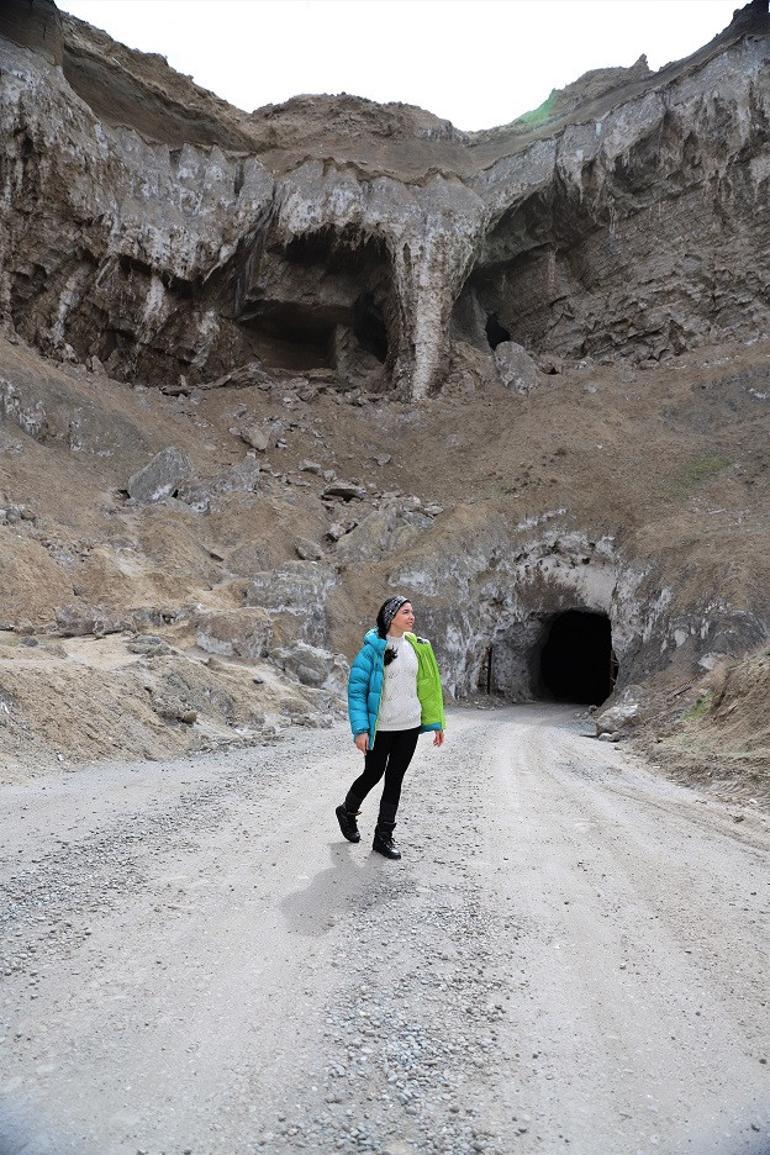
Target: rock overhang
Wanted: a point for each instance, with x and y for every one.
(528, 219)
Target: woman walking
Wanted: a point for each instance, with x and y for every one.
(394, 695)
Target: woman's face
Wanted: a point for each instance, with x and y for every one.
(404, 619)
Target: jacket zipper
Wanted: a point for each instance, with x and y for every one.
(376, 720)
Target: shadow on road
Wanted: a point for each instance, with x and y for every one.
(356, 881)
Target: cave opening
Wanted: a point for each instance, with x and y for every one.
(496, 333)
(577, 662)
(369, 327)
(292, 335)
(316, 301)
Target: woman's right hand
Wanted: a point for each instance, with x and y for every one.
(362, 742)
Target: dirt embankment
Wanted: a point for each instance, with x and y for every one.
(137, 627)
(716, 730)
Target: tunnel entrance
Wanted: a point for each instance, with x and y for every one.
(577, 662)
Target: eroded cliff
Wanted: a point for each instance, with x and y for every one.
(520, 373)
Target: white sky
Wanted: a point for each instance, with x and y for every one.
(479, 63)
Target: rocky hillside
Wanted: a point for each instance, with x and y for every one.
(259, 369)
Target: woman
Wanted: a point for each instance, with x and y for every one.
(394, 694)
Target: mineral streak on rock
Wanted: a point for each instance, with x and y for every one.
(149, 224)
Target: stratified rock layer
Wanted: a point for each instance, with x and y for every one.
(153, 226)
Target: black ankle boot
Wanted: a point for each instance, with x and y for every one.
(346, 816)
(383, 840)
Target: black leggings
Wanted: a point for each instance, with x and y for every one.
(391, 754)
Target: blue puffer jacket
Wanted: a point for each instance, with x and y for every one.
(365, 685)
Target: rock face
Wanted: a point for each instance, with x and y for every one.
(168, 234)
(243, 633)
(259, 371)
(36, 26)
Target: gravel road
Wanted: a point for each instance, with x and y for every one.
(571, 956)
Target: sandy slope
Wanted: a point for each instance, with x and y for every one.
(571, 955)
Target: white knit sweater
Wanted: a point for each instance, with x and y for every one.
(399, 705)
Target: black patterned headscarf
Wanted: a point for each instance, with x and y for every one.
(387, 613)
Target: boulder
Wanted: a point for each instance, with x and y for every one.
(410, 527)
(74, 621)
(355, 366)
(370, 538)
(257, 436)
(614, 723)
(515, 367)
(160, 477)
(710, 661)
(240, 478)
(253, 373)
(312, 665)
(390, 527)
(242, 633)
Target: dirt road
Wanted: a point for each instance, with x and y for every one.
(571, 956)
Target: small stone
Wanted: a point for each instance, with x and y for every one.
(347, 490)
(257, 436)
(308, 550)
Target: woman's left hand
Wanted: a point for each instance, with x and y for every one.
(438, 739)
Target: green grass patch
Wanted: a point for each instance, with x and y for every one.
(699, 469)
(699, 709)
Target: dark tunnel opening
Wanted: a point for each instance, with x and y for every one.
(496, 333)
(577, 662)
